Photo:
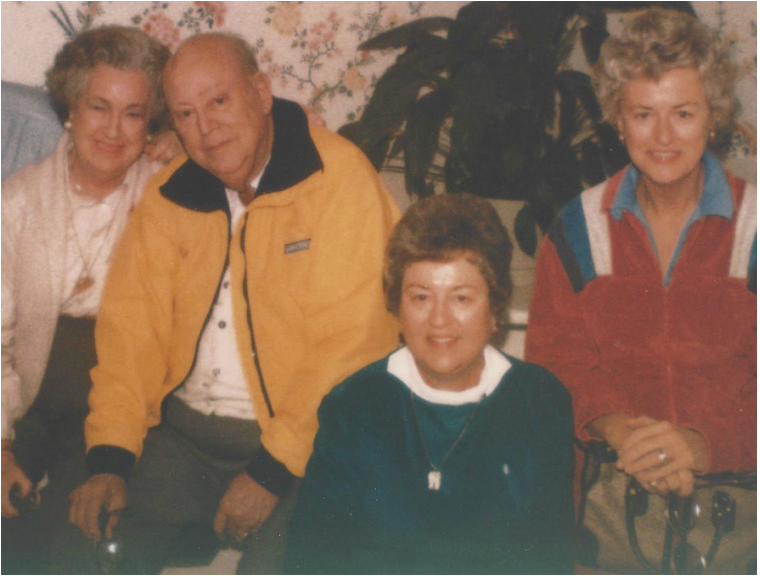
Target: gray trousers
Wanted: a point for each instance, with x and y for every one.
(187, 464)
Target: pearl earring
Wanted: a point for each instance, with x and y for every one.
(150, 138)
(67, 125)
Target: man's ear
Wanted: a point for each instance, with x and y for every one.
(262, 86)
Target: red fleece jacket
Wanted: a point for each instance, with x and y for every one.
(620, 340)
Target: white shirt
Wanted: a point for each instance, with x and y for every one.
(217, 384)
(94, 227)
(402, 365)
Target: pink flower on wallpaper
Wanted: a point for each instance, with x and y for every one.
(353, 79)
(93, 9)
(392, 18)
(215, 9)
(286, 17)
(162, 29)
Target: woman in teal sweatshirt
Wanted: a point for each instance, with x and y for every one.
(447, 456)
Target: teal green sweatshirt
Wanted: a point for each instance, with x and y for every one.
(505, 503)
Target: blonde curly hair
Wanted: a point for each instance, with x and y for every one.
(656, 42)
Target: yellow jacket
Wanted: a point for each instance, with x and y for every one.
(305, 260)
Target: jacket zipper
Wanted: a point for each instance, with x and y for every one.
(249, 318)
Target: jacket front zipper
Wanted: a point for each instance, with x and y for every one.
(249, 318)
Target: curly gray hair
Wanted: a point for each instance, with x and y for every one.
(117, 46)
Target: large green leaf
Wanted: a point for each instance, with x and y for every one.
(387, 110)
(614, 154)
(568, 113)
(375, 149)
(592, 167)
(579, 108)
(456, 173)
(592, 40)
(406, 34)
(474, 98)
(398, 88)
(525, 231)
(580, 84)
(563, 174)
(476, 24)
(422, 133)
(543, 212)
(540, 25)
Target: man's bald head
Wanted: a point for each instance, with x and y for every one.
(225, 42)
(220, 104)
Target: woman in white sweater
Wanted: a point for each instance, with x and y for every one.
(60, 221)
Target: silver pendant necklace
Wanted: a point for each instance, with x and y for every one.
(434, 475)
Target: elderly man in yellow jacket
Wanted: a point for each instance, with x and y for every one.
(246, 285)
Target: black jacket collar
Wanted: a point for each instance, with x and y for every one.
(294, 158)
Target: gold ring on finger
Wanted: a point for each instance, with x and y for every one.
(661, 455)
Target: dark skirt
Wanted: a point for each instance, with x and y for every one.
(49, 439)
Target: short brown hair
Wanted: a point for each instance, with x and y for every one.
(440, 228)
(121, 47)
(658, 41)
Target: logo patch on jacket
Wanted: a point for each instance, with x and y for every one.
(297, 246)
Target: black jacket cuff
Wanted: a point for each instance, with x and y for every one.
(110, 460)
(271, 474)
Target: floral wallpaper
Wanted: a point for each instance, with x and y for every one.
(309, 49)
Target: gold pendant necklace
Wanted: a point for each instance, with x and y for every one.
(435, 476)
(86, 280)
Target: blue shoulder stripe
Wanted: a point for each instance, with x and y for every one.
(569, 233)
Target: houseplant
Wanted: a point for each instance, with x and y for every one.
(493, 108)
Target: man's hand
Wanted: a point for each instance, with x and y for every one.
(244, 507)
(101, 492)
(12, 475)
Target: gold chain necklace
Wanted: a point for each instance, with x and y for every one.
(86, 279)
(434, 475)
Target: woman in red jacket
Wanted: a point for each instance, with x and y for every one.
(645, 296)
